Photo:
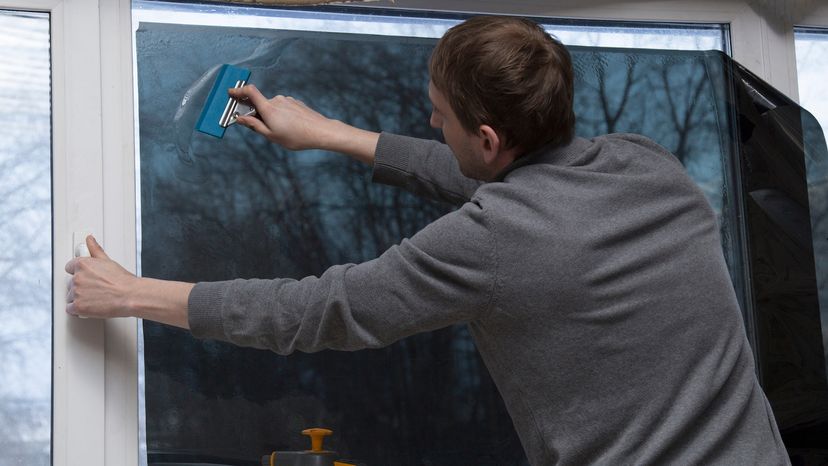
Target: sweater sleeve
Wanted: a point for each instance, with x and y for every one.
(426, 168)
(443, 275)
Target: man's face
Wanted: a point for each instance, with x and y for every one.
(462, 143)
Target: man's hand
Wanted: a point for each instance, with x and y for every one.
(100, 287)
(284, 120)
(292, 124)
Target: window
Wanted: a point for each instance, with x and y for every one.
(812, 67)
(25, 230)
(276, 213)
(239, 207)
(94, 406)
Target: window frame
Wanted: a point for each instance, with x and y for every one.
(818, 18)
(95, 388)
(94, 381)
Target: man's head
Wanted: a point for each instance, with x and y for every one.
(508, 84)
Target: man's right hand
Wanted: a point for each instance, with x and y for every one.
(292, 124)
(283, 120)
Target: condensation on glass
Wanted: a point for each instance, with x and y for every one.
(25, 232)
(241, 207)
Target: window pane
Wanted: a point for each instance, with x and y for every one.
(277, 214)
(641, 35)
(240, 207)
(644, 36)
(25, 230)
(812, 69)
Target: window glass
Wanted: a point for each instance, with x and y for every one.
(644, 36)
(241, 207)
(25, 232)
(640, 35)
(812, 68)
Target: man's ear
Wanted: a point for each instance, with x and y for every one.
(491, 144)
(493, 147)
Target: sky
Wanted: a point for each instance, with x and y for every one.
(811, 70)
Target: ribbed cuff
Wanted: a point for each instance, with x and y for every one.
(391, 159)
(204, 310)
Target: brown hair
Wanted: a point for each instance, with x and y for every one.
(510, 74)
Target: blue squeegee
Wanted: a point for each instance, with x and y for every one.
(220, 110)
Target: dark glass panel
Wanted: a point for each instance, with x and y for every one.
(786, 211)
(239, 207)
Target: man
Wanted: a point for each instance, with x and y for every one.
(590, 272)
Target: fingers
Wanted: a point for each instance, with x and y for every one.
(259, 102)
(72, 310)
(252, 93)
(95, 249)
(253, 123)
(72, 266)
(71, 307)
(70, 295)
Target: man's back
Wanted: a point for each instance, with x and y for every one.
(613, 333)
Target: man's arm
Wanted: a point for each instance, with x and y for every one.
(295, 126)
(100, 287)
(424, 167)
(444, 274)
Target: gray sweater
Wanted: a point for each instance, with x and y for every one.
(593, 282)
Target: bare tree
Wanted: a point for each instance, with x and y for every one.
(25, 291)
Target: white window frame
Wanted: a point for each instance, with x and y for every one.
(819, 18)
(95, 404)
(94, 386)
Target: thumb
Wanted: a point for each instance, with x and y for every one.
(252, 93)
(95, 249)
(255, 124)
